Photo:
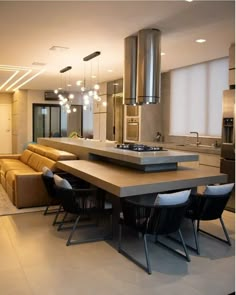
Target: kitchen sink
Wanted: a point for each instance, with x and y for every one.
(197, 146)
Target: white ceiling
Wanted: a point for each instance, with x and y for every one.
(28, 29)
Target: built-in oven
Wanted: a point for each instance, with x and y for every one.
(132, 129)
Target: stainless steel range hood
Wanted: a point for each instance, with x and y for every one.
(142, 71)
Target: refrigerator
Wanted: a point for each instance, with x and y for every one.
(227, 162)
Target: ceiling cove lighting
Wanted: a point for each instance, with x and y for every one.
(200, 40)
(31, 78)
(18, 80)
(9, 79)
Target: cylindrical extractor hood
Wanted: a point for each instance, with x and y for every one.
(130, 70)
(148, 66)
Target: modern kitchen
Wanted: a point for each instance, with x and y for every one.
(144, 112)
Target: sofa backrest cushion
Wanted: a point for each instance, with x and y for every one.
(51, 153)
(58, 155)
(37, 162)
(25, 156)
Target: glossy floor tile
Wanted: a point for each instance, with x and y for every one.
(35, 260)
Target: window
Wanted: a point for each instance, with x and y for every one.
(196, 98)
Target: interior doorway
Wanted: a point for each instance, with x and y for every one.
(46, 121)
(75, 120)
(6, 129)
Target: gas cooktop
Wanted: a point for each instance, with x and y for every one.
(139, 147)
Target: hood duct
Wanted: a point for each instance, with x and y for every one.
(142, 72)
(130, 70)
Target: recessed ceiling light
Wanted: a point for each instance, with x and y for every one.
(93, 76)
(59, 48)
(200, 40)
(189, 0)
(163, 53)
(110, 71)
(115, 84)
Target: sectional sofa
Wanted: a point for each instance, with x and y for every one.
(21, 174)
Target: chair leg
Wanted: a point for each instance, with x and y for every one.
(126, 254)
(62, 222)
(149, 270)
(198, 225)
(184, 246)
(58, 212)
(225, 231)
(68, 243)
(195, 233)
(46, 210)
(227, 241)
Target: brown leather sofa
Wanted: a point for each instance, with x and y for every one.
(21, 175)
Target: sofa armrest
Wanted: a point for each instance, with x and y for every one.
(30, 190)
(13, 156)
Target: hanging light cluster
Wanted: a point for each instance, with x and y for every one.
(91, 92)
(65, 98)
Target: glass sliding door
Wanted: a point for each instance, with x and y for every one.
(46, 121)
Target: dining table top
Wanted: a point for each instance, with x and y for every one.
(123, 181)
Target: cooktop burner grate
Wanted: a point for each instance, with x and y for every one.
(140, 147)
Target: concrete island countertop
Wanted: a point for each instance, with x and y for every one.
(96, 150)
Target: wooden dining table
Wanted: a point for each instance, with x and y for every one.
(121, 182)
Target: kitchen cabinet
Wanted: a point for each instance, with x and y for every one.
(210, 160)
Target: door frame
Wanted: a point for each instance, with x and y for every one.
(34, 105)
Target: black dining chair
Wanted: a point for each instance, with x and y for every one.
(209, 206)
(140, 214)
(48, 179)
(85, 203)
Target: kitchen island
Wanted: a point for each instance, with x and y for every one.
(165, 160)
(122, 182)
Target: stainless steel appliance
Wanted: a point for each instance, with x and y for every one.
(140, 147)
(132, 129)
(227, 163)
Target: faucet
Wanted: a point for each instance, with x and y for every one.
(194, 132)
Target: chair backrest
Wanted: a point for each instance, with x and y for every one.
(152, 219)
(76, 201)
(211, 207)
(49, 184)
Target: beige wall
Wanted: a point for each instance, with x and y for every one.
(19, 121)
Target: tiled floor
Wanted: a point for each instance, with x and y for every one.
(34, 260)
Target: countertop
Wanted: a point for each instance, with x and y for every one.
(108, 150)
(123, 181)
(206, 149)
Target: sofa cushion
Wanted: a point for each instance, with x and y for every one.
(58, 155)
(37, 162)
(8, 165)
(25, 156)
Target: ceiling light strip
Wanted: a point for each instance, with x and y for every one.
(29, 79)
(8, 80)
(13, 67)
(18, 80)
